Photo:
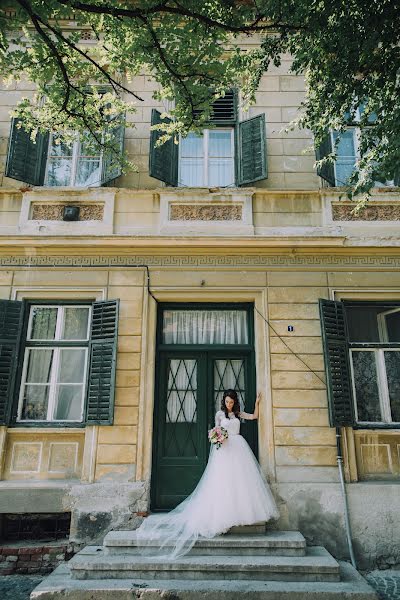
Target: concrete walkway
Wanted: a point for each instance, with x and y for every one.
(19, 587)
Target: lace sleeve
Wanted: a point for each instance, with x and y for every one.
(218, 417)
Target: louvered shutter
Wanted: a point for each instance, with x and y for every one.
(337, 363)
(26, 160)
(327, 170)
(223, 110)
(111, 167)
(11, 319)
(251, 146)
(102, 356)
(163, 163)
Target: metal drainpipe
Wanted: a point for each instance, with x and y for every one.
(346, 507)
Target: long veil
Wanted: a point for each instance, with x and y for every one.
(169, 536)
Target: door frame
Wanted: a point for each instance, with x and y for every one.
(209, 351)
(217, 295)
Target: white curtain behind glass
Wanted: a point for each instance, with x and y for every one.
(205, 327)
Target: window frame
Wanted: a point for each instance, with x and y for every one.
(75, 156)
(205, 158)
(379, 348)
(27, 344)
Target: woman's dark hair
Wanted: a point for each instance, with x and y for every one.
(236, 406)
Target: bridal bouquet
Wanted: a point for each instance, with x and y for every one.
(217, 435)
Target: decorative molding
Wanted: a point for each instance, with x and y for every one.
(41, 213)
(380, 212)
(54, 212)
(182, 261)
(205, 212)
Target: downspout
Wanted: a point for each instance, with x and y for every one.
(344, 495)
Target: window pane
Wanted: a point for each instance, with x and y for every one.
(59, 171)
(191, 172)
(192, 145)
(68, 403)
(393, 326)
(229, 375)
(88, 172)
(39, 365)
(220, 143)
(35, 402)
(60, 149)
(392, 361)
(75, 323)
(72, 365)
(220, 172)
(366, 385)
(205, 327)
(43, 324)
(346, 158)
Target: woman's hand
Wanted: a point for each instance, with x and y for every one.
(258, 399)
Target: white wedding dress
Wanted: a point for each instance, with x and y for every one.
(232, 491)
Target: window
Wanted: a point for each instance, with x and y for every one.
(347, 153)
(207, 160)
(57, 362)
(362, 360)
(374, 337)
(72, 165)
(46, 162)
(231, 153)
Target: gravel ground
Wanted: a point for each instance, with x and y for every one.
(19, 587)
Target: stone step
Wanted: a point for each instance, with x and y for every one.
(316, 565)
(60, 586)
(282, 543)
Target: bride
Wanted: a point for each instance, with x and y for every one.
(232, 491)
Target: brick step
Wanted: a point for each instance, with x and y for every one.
(271, 543)
(60, 586)
(316, 565)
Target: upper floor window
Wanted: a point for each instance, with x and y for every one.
(231, 153)
(347, 145)
(72, 165)
(47, 161)
(207, 160)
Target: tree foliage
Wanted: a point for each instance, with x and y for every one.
(348, 51)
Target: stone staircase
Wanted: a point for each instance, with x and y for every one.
(273, 565)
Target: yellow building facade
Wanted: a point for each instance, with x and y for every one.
(265, 253)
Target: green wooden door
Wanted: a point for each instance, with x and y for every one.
(190, 389)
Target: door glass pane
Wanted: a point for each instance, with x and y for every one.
(43, 323)
(392, 361)
(59, 171)
(366, 386)
(220, 172)
(392, 321)
(205, 327)
(75, 323)
(192, 172)
(229, 374)
(192, 146)
(68, 403)
(181, 408)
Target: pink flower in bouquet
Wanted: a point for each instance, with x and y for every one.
(217, 435)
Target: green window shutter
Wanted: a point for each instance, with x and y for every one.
(26, 160)
(163, 163)
(251, 149)
(102, 363)
(327, 171)
(111, 168)
(337, 363)
(11, 320)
